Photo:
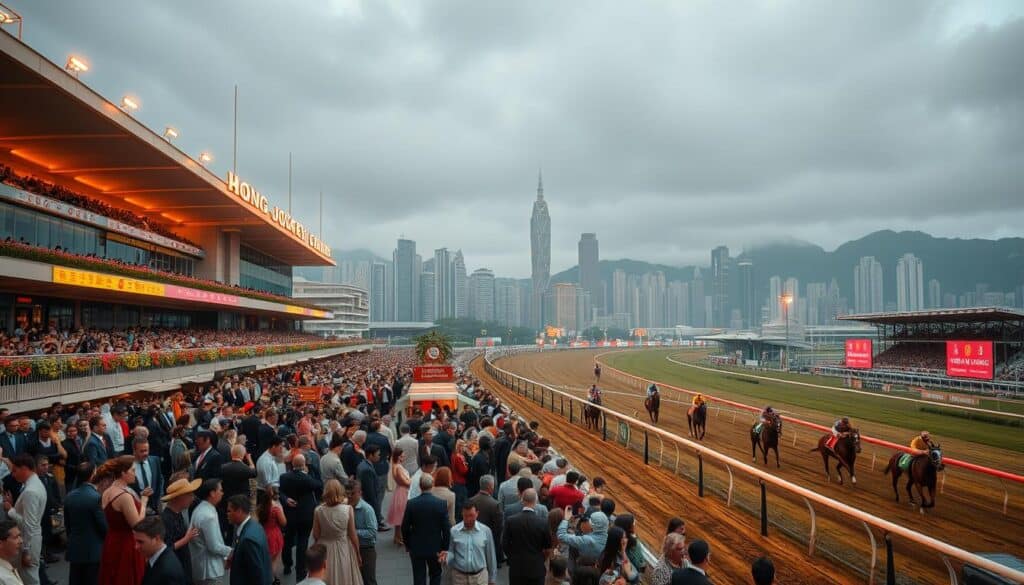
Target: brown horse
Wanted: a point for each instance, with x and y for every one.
(845, 452)
(653, 405)
(923, 472)
(767, 438)
(592, 416)
(696, 420)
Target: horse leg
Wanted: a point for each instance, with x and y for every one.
(828, 472)
(703, 428)
(839, 470)
(753, 448)
(910, 487)
(853, 475)
(895, 480)
(689, 425)
(777, 465)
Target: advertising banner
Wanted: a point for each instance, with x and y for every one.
(970, 359)
(858, 353)
(433, 373)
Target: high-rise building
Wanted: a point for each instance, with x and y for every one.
(817, 303)
(749, 309)
(380, 302)
(774, 299)
(562, 298)
(506, 302)
(720, 286)
(407, 281)
(698, 309)
(619, 291)
(867, 286)
(590, 272)
(481, 287)
(525, 302)
(934, 294)
(461, 281)
(444, 284)
(909, 283)
(540, 255)
(428, 298)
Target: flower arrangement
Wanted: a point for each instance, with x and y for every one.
(110, 362)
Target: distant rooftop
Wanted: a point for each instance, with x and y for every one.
(965, 315)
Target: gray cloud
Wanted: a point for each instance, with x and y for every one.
(667, 128)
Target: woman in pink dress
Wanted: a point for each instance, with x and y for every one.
(121, 563)
(400, 496)
(272, 519)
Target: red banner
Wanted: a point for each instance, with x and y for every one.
(433, 373)
(859, 353)
(970, 359)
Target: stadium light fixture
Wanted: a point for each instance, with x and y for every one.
(76, 65)
(129, 104)
(205, 157)
(9, 16)
(170, 133)
(788, 299)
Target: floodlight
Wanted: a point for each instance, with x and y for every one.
(129, 103)
(76, 65)
(170, 133)
(205, 157)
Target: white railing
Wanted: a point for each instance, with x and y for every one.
(890, 529)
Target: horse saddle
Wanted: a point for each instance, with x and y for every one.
(831, 442)
(904, 462)
(757, 428)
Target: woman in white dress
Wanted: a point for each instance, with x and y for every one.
(334, 527)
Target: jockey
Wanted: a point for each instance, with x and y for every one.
(594, 394)
(767, 415)
(698, 401)
(652, 390)
(841, 427)
(921, 443)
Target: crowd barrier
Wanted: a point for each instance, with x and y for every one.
(556, 401)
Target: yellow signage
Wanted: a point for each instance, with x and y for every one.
(106, 281)
(250, 196)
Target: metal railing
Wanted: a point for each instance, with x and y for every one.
(548, 397)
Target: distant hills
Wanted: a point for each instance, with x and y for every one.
(958, 264)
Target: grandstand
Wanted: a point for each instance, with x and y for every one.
(912, 348)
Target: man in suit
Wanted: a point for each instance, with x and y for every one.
(299, 492)
(410, 446)
(97, 447)
(488, 511)
(267, 431)
(695, 572)
(159, 436)
(366, 473)
(429, 447)
(250, 427)
(382, 465)
(330, 463)
(208, 460)
(28, 513)
(148, 473)
(207, 549)
(237, 473)
(12, 441)
(250, 562)
(526, 541)
(426, 532)
(523, 484)
(10, 552)
(162, 566)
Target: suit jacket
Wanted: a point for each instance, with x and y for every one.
(513, 509)
(95, 450)
(425, 526)
(265, 435)
(250, 564)
(304, 489)
(368, 478)
(437, 451)
(28, 512)
(489, 512)
(524, 540)
(156, 481)
(208, 549)
(236, 475)
(688, 576)
(166, 570)
(13, 444)
(381, 440)
(209, 467)
(250, 427)
(85, 524)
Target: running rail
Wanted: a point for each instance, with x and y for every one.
(998, 473)
(886, 526)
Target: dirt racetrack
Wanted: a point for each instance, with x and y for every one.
(968, 516)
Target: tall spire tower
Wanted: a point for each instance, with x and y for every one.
(540, 255)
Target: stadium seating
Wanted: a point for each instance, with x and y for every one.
(916, 357)
(52, 341)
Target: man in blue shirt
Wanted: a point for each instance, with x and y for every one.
(471, 551)
(366, 530)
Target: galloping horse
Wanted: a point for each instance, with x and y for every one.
(923, 473)
(766, 436)
(696, 419)
(592, 416)
(653, 405)
(845, 451)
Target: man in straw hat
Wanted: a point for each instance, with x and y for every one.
(177, 534)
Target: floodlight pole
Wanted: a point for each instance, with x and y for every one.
(234, 139)
(785, 309)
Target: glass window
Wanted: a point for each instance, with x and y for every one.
(42, 231)
(24, 227)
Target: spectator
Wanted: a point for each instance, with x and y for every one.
(121, 563)
(480, 465)
(558, 573)
(676, 524)
(442, 490)
(272, 518)
(208, 459)
(527, 543)
(524, 484)
(425, 532)
(97, 447)
(763, 571)
(427, 468)
(614, 563)
(162, 566)
(250, 561)
(330, 463)
(366, 530)
(28, 512)
(334, 527)
(471, 551)
(673, 556)
(268, 471)
(636, 556)
(566, 494)
(11, 544)
(695, 572)
(590, 538)
(86, 528)
(368, 477)
(147, 473)
(300, 491)
(400, 495)
(177, 532)
(408, 445)
(207, 549)
(316, 563)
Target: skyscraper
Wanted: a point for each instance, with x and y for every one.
(428, 300)
(444, 284)
(774, 302)
(590, 274)
(749, 309)
(506, 302)
(817, 301)
(909, 283)
(380, 304)
(481, 287)
(720, 286)
(540, 255)
(934, 294)
(459, 269)
(407, 281)
(698, 310)
(563, 303)
(867, 286)
(619, 292)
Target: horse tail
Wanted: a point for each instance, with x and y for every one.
(889, 466)
(818, 448)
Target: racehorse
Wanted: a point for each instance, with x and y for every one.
(766, 437)
(597, 371)
(845, 451)
(653, 405)
(591, 416)
(696, 420)
(923, 473)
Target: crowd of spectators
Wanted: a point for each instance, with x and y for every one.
(1014, 370)
(242, 481)
(53, 341)
(913, 357)
(65, 195)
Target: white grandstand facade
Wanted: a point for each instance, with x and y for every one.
(350, 305)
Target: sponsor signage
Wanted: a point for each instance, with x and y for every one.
(948, 397)
(312, 393)
(858, 353)
(970, 359)
(61, 209)
(433, 373)
(256, 200)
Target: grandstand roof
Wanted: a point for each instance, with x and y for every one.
(965, 315)
(57, 128)
(754, 337)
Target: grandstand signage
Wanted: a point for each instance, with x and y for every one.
(859, 353)
(970, 359)
(253, 198)
(962, 399)
(433, 373)
(77, 214)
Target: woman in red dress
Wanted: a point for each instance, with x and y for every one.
(271, 516)
(121, 563)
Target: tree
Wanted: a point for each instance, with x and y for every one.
(433, 339)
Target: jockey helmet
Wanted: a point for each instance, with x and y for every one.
(925, 435)
(846, 420)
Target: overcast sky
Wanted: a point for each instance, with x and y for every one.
(666, 127)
